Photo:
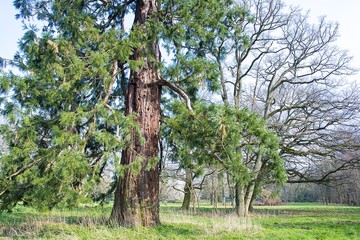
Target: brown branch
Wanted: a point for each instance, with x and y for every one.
(178, 189)
(113, 76)
(325, 178)
(23, 169)
(179, 91)
(203, 180)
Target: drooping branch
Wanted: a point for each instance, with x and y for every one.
(179, 91)
(113, 77)
(23, 169)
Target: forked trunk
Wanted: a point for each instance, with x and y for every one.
(137, 194)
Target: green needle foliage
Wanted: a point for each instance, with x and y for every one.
(63, 129)
(226, 137)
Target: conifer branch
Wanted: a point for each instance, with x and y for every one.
(3, 192)
(179, 91)
(23, 169)
(113, 76)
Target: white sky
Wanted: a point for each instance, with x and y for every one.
(10, 29)
(345, 12)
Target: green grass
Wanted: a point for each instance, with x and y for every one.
(292, 221)
(309, 221)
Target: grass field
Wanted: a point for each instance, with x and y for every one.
(292, 221)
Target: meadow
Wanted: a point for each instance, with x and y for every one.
(290, 221)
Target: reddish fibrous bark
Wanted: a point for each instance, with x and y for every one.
(137, 194)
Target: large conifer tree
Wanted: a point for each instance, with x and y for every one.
(88, 99)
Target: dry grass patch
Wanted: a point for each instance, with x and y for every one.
(213, 223)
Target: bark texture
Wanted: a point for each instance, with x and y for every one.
(137, 194)
(239, 199)
(187, 191)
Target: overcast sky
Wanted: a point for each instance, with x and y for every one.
(345, 12)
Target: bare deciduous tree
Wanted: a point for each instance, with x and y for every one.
(292, 73)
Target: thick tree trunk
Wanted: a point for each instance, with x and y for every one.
(251, 206)
(187, 191)
(248, 197)
(137, 194)
(239, 200)
(231, 190)
(250, 190)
